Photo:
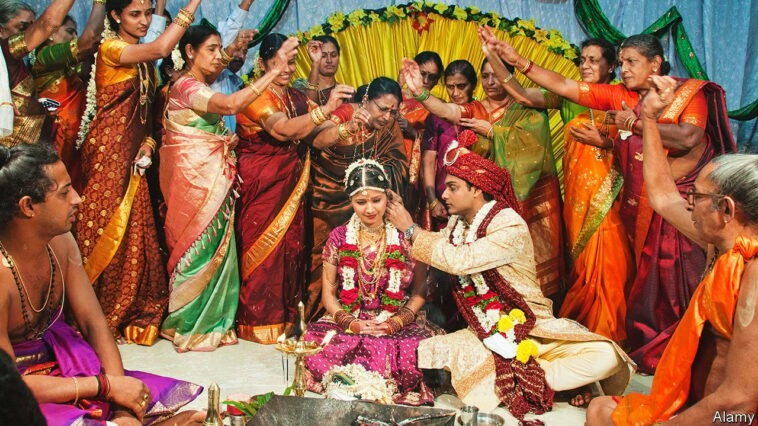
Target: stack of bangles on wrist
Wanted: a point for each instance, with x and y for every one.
(527, 67)
(225, 57)
(99, 2)
(150, 142)
(344, 320)
(343, 131)
(423, 96)
(185, 18)
(433, 204)
(630, 122)
(103, 387)
(318, 116)
(403, 317)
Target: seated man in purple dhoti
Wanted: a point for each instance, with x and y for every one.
(77, 377)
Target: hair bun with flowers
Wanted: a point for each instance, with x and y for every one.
(365, 174)
(176, 58)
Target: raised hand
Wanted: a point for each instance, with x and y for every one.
(505, 51)
(286, 52)
(396, 212)
(660, 95)
(413, 77)
(240, 42)
(130, 393)
(339, 95)
(314, 51)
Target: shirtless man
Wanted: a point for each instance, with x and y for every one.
(40, 272)
(707, 372)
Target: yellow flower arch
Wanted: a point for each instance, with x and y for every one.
(373, 43)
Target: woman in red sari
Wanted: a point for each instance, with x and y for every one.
(517, 139)
(274, 163)
(56, 67)
(116, 228)
(694, 129)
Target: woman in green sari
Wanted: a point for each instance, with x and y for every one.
(56, 65)
(198, 177)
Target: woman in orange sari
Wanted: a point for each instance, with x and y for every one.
(598, 246)
(115, 228)
(694, 129)
(517, 139)
(274, 163)
(56, 67)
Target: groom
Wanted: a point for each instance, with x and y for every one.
(515, 351)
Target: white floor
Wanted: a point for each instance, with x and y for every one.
(252, 369)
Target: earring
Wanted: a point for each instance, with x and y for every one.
(118, 21)
(190, 56)
(726, 221)
(655, 69)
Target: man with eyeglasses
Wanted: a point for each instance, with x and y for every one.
(707, 372)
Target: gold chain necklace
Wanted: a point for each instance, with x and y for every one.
(20, 280)
(290, 113)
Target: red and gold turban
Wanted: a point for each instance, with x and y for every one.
(480, 172)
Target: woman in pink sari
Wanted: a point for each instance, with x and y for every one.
(198, 179)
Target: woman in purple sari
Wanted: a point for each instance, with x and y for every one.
(372, 292)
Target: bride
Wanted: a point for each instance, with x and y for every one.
(372, 293)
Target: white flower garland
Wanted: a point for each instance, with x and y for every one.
(486, 319)
(89, 110)
(368, 385)
(392, 238)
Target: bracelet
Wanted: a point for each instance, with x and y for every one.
(491, 132)
(527, 67)
(507, 79)
(310, 86)
(423, 96)
(106, 386)
(433, 204)
(254, 89)
(409, 232)
(150, 142)
(185, 18)
(76, 387)
(343, 131)
(182, 21)
(99, 2)
(634, 123)
(17, 46)
(629, 122)
(225, 57)
(318, 117)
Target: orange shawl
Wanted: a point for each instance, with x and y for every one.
(715, 301)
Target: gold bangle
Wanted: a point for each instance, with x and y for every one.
(99, 2)
(433, 204)
(181, 21)
(186, 14)
(491, 132)
(254, 89)
(342, 132)
(225, 57)
(150, 142)
(76, 387)
(321, 114)
(507, 79)
(17, 46)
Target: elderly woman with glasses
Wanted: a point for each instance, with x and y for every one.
(366, 129)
